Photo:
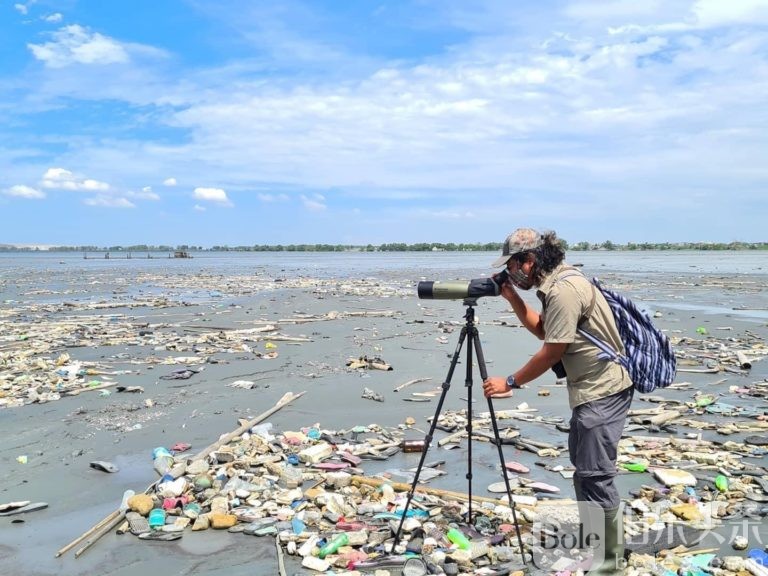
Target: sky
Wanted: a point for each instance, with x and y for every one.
(241, 122)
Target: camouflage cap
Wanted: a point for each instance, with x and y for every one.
(520, 240)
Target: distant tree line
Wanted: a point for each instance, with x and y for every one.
(394, 247)
(608, 245)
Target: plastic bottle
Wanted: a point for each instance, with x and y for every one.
(457, 537)
(162, 460)
(156, 518)
(331, 547)
(163, 464)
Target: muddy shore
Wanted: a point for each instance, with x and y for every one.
(59, 438)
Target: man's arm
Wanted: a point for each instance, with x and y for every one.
(527, 315)
(547, 356)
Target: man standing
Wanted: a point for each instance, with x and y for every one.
(599, 391)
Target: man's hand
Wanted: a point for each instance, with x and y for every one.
(507, 288)
(495, 386)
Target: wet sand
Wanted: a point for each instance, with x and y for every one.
(60, 438)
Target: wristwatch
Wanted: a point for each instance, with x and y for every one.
(511, 381)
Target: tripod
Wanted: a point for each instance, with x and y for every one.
(468, 332)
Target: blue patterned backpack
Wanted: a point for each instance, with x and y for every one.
(648, 358)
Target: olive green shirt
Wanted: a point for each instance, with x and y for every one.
(566, 295)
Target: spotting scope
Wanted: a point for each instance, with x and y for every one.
(460, 289)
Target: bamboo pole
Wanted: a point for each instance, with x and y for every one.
(115, 518)
(108, 527)
(280, 560)
(85, 535)
(287, 398)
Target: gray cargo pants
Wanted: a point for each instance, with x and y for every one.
(593, 440)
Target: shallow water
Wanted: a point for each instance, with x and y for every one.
(690, 289)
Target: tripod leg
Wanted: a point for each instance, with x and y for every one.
(428, 438)
(474, 338)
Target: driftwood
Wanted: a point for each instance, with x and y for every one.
(658, 419)
(101, 386)
(744, 362)
(414, 381)
(403, 487)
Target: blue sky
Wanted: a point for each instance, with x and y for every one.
(356, 122)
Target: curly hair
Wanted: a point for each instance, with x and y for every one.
(547, 257)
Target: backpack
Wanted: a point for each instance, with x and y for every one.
(648, 359)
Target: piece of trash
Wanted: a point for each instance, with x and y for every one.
(26, 507)
(104, 466)
(21, 459)
(369, 394)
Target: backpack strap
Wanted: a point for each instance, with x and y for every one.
(607, 352)
(573, 271)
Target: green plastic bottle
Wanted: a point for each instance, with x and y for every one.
(332, 547)
(634, 466)
(721, 483)
(457, 537)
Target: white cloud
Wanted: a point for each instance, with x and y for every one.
(21, 191)
(315, 203)
(145, 194)
(569, 113)
(272, 197)
(21, 9)
(199, 208)
(449, 215)
(109, 202)
(216, 195)
(75, 44)
(712, 13)
(54, 18)
(62, 179)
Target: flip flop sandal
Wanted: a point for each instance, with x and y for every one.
(756, 440)
(160, 535)
(138, 524)
(104, 466)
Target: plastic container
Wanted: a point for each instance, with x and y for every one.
(161, 451)
(332, 547)
(457, 537)
(759, 556)
(156, 518)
